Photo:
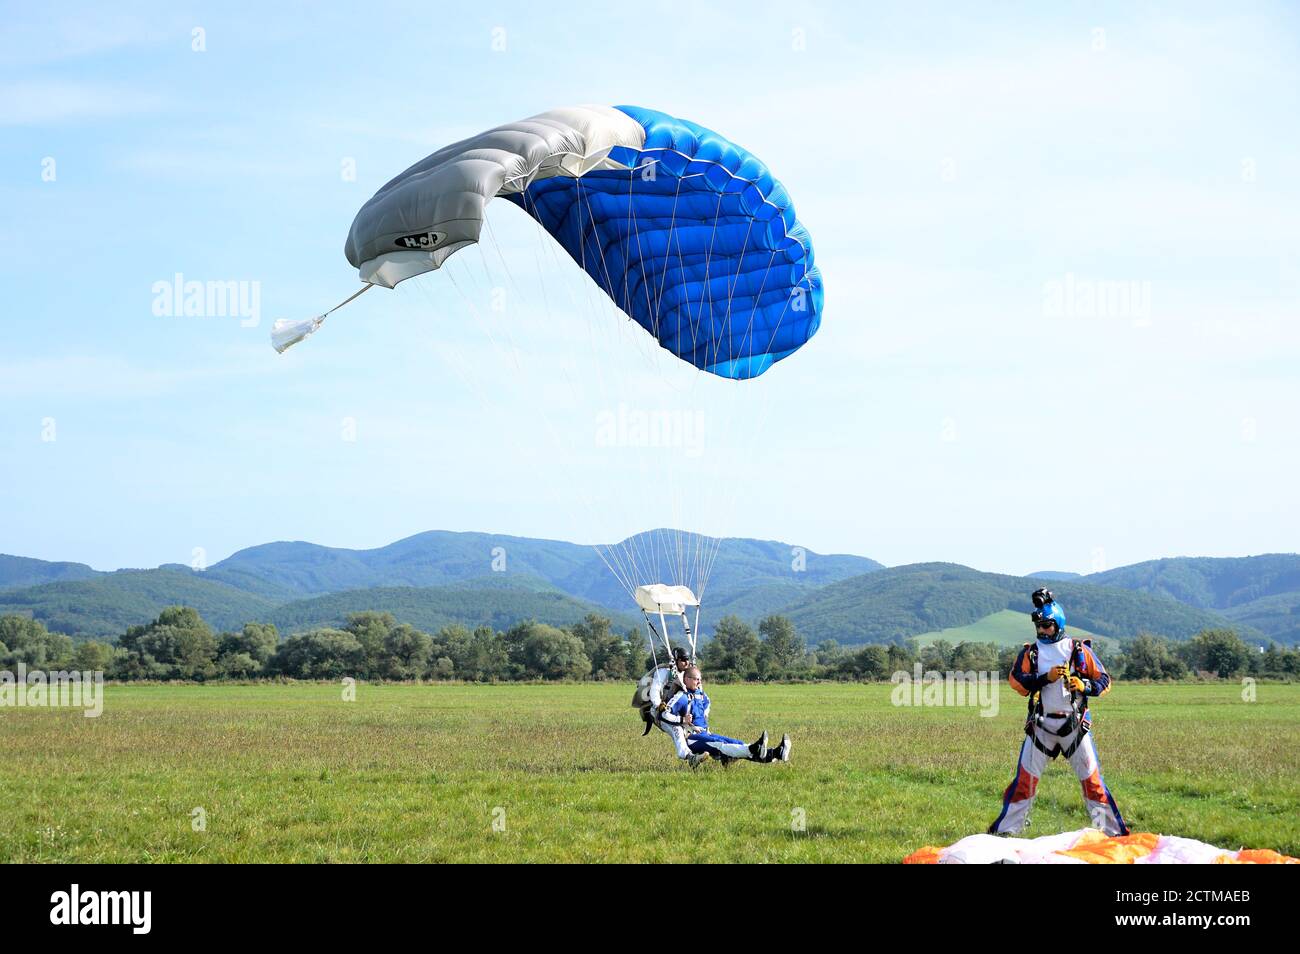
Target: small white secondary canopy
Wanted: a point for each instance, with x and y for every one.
(662, 598)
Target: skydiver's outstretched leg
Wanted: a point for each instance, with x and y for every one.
(722, 747)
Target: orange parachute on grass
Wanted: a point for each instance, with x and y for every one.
(1090, 846)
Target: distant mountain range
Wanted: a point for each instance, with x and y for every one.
(1262, 592)
(428, 580)
(436, 578)
(16, 571)
(924, 597)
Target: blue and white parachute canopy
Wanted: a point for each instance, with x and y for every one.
(686, 232)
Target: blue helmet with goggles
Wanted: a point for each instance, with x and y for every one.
(1047, 610)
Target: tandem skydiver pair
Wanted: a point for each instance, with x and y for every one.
(672, 698)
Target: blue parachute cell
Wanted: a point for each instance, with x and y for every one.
(694, 240)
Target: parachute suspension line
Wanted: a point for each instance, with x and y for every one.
(450, 353)
(631, 561)
(631, 552)
(624, 562)
(478, 318)
(634, 224)
(668, 248)
(643, 554)
(627, 234)
(647, 550)
(487, 293)
(496, 247)
(593, 309)
(779, 318)
(620, 572)
(515, 290)
(700, 570)
(705, 289)
(641, 557)
(713, 548)
(644, 551)
(600, 247)
(758, 296)
(681, 575)
(684, 308)
(708, 290)
(625, 574)
(735, 281)
(662, 633)
(514, 287)
(684, 550)
(646, 350)
(617, 567)
(547, 241)
(710, 549)
(692, 555)
(650, 635)
(285, 333)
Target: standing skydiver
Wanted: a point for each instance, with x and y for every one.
(1058, 675)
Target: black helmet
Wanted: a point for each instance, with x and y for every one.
(680, 655)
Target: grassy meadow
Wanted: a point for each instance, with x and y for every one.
(453, 772)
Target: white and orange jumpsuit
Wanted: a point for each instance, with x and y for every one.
(1058, 728)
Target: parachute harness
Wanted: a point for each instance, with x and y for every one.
(1075, 724)
(662, 633)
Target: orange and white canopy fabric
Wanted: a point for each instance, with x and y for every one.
(1092, 847)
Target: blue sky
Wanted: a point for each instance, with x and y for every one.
(969, 182)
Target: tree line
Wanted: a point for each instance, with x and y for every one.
(180, 645)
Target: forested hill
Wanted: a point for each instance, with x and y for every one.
(894, 604)
(439, 577)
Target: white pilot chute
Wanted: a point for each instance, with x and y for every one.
(665, 601)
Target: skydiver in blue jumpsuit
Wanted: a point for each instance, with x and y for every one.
(687, 719)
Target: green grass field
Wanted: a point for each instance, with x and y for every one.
(420, 773)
